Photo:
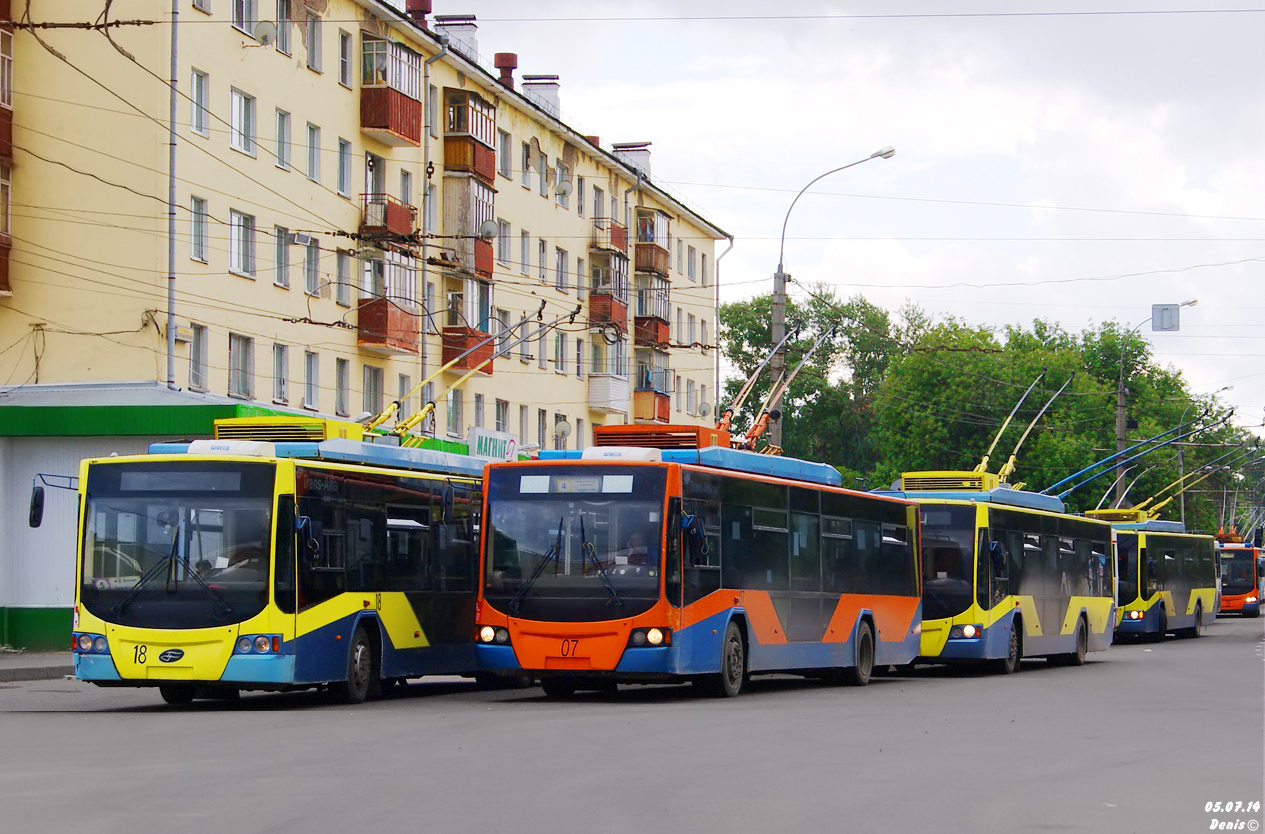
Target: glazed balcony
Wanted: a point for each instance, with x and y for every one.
(608, 392)
(651, 407)
(610, 236)
(457, 340)
(385, 216)
(651, 257)
(465, 153)
(606, 308)
(386, 328)
(390, 116)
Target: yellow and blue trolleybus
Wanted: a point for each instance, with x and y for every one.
(216, 566)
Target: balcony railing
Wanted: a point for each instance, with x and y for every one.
(651, 407)
(608, 393)
(607, 309)
(382, 326)
(385, 215)
(457, 340)
(464, 153)
(651, 257)
(652, 302)
(609, 235)
(606, 281)
(390, 116)
(653, 379)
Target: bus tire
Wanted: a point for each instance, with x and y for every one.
(560, 688)
(1077, 658)
(1255, 614)
(177, 694)
(728, 682)
(1158, 637)
(1009, 664)
(362, 670)
(860, 674)
(1196, 631)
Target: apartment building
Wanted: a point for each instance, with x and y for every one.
(359, 200)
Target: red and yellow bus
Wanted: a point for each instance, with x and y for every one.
(1240, 578)
(647, 565)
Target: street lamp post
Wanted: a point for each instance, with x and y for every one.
(777, 366)
(1168, 316)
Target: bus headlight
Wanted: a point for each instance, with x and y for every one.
(1135, 615)
(654, 637)
(99, 644)
(499, 635)
(243, 645)
(968, 632)
(487, 634)
(262, 644)
(1250, 599)
(642, 637)
(85, 643)
(502, 636)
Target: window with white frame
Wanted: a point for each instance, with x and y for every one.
(428, 395)
(559, 440)
(404, 389)
(544, 175)
(502, 329)
(198, 358)
(702, 271)
(283, 26)
(202, 5)
(313, 152)
(428, 309)
(342, 278)
(432, 210)
(702, 395)
(680, 251)
(525, 161)
(241, 124)
(561, 194)
(542, 426)
(502, 415)
(432, 110)
(241, 366)
(241, 244)
(689, 263)
(579, 358)
(197, 229)
(579, 433)
(245, 16)
(199, 102)
(524, 244)
(344, 58)
(456, 419)
(561, 267)
(599, 203)
(524, 344)
(503, 153)
(406, 187)
(541, 250)
(390, 64)
(522, 426)
(313, 25)
(312, 267)
(311, 379)
(283, 139)
(342, 387)
(478, 411)
(373, 389)
(503, 241)
(344, 167)
(580, 283)
(280, 373)
(677, 388)
(542, 357)
(703, 327)
(691, 397)
(579, 196)
(281, 262)
(692, 335)
(560, 352)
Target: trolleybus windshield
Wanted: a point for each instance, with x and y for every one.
(1237, 571)
(948, 560)
(572, 544)
(1127, 566)
(176, 544)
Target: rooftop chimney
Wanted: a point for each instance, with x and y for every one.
(634, 155)
(462, 31)
(417, 11)
(506, 62)
(594, 140)
(543, 90)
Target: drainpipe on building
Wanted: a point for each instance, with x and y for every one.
(171, 205)
(426, 197)
(632, 343)
(716, 321)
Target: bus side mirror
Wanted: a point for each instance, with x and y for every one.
(36, 516)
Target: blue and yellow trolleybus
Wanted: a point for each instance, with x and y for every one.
(1008, 574)
(304, 560)
(663, 555)
(1166, 577)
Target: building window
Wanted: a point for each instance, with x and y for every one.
(428, 308)
(405, 390)
(524, 343)
(283, 139)
(202, 5)
(503, 144)
(679, 334)
(241, 366)
(503, 241)
(373, 390)
(199, 100)
(478, 411)
(344, 58)
(542, 427)
(525, 174)
(599, 203)
(342, 387)
(691, 401)
(244, 16)
(503, 329)
(342, 278)
(428, 396)
(503, 415)
(197, 229)
(561, 266)
(344, 167)
(432, 110)
(580, 283)
(559, 439)
(313, 41)
(579, 433)
(406, 187)
(312, 267)
(579, 196)
(689, 263)
(6, 68)
(280, 373)
(455, 417)
(541, 250)
(543, 179)
(702, 395)
(677, 388)
(241, 125)
(690, 331)
(432, 210)
(561, 193)
(524, 243)
(703, 326)
(311, 379)
(198, 358)
(579, 358)
(313, 152)
(522, 427)
(702, 272)
(283, 26)
(542, 360)
(680, 251)
(281, 271)
(560, 352)
(241, 244)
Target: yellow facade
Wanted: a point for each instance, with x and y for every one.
(291, 286)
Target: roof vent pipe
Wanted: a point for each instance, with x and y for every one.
(506, 63)
(417, 11)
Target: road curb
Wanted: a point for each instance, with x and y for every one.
(35, 673)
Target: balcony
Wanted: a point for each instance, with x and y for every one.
(384, 327)
(608, 393)
(458, 340)
(605, 308)
(652, 324)
(651, 257)
(651, 407)
(610, 236)
(464, 153)
(390, 116)
(385, 216)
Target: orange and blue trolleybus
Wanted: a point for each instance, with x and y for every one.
(1240, 576)
(662, 555)
(1008, 574)
(216, 566)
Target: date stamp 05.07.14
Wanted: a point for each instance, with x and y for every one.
(1233, 816)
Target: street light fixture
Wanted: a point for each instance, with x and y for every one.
(1167, 314)
(778, 364)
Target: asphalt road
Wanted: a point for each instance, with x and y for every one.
(1137, 740)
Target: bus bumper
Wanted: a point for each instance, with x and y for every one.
(264, 668)
(1149, 623)
(661, 660)
(95, 667)
(993, 643)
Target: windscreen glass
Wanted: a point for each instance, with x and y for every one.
(177, 545)
(948, 560)
(574, 543)
(1127, 566)
(1237, 571)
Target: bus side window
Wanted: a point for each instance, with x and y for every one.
(283, 580)
(672, 553)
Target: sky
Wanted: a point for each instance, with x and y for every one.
(1071, 161)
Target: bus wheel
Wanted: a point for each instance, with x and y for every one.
(733, 664)
(859, 675)
(177, 694)
(1158, 636)
(362, 670)
(558, 687)
(1196, 631)
(1077, 658)
(1010, 663)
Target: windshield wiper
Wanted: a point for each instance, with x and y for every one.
(588, 551)
(222, 609)
(551, 555)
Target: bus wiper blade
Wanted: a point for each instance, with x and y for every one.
(551, 555)
(149, 575)
(588, 551)
(222, 608)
